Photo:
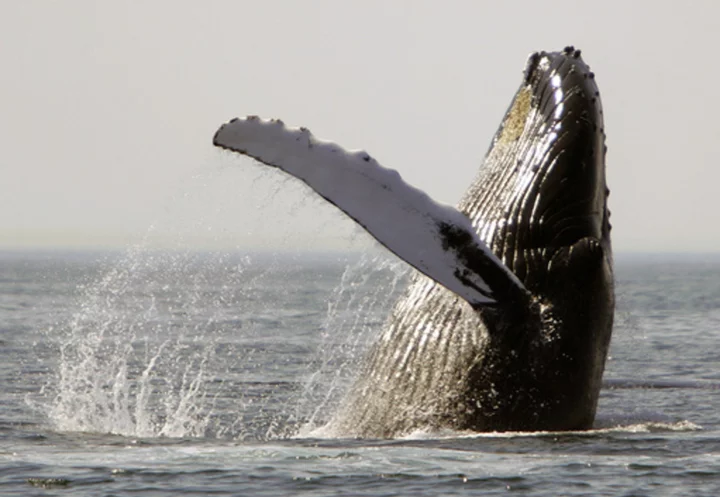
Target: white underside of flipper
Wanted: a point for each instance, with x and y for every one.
(401, 217)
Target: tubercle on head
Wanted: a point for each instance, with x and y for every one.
(572, 52)
(540, 61)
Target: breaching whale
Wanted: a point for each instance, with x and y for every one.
(507, 323)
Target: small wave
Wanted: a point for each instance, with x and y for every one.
(310, 430)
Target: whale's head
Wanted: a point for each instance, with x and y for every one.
(542, 187)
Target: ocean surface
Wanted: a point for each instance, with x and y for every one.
(178, 373)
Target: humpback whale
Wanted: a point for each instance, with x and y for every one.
(506, 324)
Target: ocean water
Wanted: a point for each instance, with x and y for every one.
(178, 373)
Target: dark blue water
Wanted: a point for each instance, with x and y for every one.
(212, 374)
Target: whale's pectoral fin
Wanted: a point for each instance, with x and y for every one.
(436, 239)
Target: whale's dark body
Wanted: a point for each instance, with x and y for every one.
(533, 358)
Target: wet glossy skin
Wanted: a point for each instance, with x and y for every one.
(534, 361)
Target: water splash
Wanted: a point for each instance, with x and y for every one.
(181, 344)
(135, 358)
(356, 311)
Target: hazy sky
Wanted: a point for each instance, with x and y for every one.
(107, 111)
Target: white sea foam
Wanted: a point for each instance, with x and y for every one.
(636, 426)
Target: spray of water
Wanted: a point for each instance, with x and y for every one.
(181, 344)
(135, 358)
(356, 311)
